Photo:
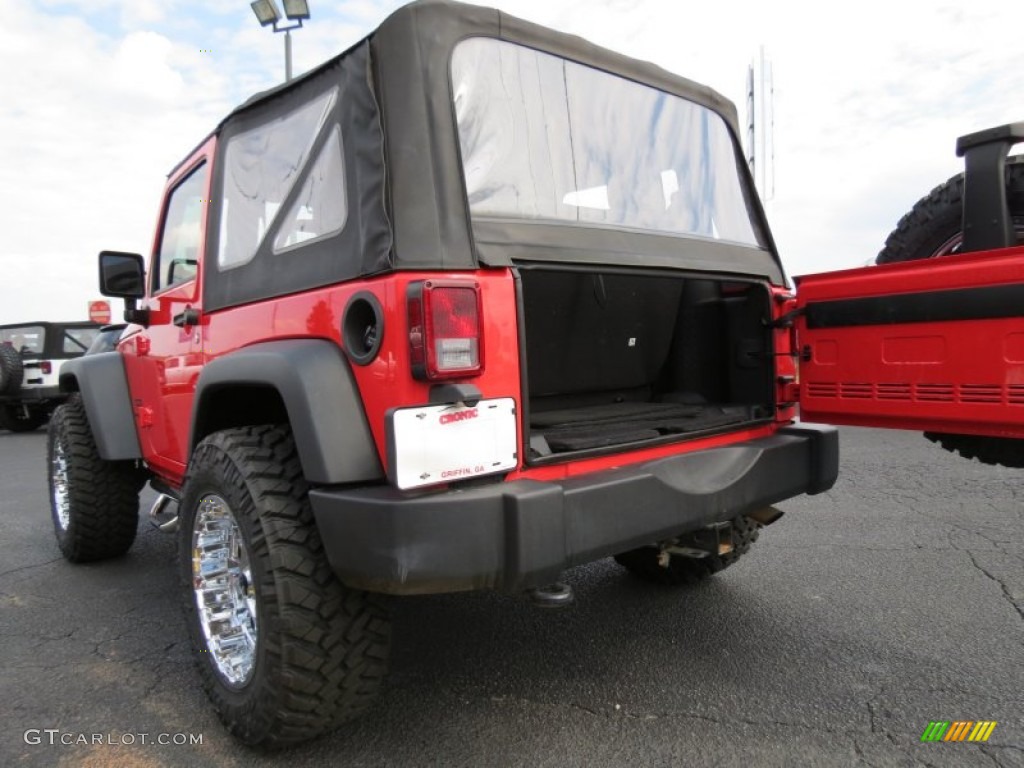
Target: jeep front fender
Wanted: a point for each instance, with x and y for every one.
(321, 398)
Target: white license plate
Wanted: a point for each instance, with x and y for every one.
(445, 443)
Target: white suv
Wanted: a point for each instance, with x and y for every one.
(31, 356)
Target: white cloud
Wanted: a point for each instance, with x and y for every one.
(869, 101)
(139, 12)
(141, 67)
(90, 135)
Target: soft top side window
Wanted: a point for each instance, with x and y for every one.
(75, 341)
(261, 167)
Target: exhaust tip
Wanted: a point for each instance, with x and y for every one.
(160, 517)
(557, 595)
(766, 516)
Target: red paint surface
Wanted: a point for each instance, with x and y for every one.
(965, 376)
(163, 361)
(387, 382)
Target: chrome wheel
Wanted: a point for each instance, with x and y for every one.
(224, 591)
(59, 470)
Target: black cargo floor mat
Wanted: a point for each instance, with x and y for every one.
(560, 442)
(619, 423)
(613, 413)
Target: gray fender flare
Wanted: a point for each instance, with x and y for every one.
(101, 380)
(321, 398)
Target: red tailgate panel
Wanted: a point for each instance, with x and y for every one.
(935, 345)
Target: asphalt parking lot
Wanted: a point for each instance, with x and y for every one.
(894, 600)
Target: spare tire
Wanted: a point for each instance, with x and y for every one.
(933, 228)
(11, 370)
(934, 225)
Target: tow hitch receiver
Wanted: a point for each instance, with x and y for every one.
(715, 539)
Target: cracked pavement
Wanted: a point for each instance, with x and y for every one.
(894, 599)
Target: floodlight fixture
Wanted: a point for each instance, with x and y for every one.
(266, 11)
(296, 10)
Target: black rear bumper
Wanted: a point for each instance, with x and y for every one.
(521, 534)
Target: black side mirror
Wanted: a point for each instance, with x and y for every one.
(123, 275)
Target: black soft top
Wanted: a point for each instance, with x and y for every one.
(406, 192)
(446, 22)
(51, 324)
(53, 343)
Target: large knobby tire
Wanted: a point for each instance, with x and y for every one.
(94, 504)
(933, 228)
(643, 562)
(13, 417)
(12, 371)
(296, 653)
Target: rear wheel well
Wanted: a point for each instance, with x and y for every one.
(239, 405)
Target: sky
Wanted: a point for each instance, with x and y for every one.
(99, 99)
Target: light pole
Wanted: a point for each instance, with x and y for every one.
(267, 13)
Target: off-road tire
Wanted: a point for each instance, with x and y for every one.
(321, 650)
(12, 371)
(12, 418)
(930, 230)
(102, 496)
(1000, 451)
(643, 562)
(937, 218)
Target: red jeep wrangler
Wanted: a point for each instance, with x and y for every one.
(470, 304)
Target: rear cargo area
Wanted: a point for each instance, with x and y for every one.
(616, 358)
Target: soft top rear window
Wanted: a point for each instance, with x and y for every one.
(27, 339)
(547, 138)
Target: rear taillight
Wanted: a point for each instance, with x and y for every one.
(444, 329)
(45, 366)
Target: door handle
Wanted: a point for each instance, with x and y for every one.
(188, 317)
